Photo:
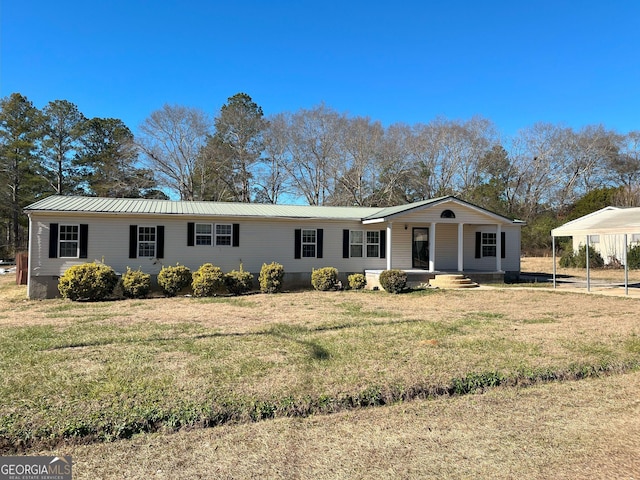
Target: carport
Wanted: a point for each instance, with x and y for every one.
(610, 221)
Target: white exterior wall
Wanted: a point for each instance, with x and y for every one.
(610, 247)
(261, 241)
(265, 240)
(447, 247)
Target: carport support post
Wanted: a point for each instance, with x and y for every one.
(553, 255)
(626, 266)
(587, 252)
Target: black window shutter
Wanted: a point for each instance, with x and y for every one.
(235, 238)
(319, 240)
(503, 249)
(133, 241)
(84, 240)
(345, 243)
(478, 244)
(53, 240)
(160, 241)
(383, 244)
(191, 234)
(297, 249)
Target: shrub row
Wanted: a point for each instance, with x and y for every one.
(326, 278)
(96, 281)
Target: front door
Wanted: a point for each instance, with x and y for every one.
(420, 249)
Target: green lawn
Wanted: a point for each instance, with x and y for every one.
(87, 372)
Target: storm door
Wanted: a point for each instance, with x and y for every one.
(420, 249)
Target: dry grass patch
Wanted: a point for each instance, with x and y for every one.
(575, 430)
(103, 371)
(545, 265)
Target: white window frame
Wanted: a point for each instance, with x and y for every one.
(309, 243)
(147, 237)
(489, 244)
(65, 242)
(221, 235)
(373, 241)
(203, 238)
(635, 237)
(356, 244)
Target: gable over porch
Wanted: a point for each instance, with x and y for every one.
(449, 235)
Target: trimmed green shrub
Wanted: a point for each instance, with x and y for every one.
(173, 279)
(357, 281)
(579, 259)
(393, 281)
(270, 277)
(207, 280)
(136, 284)
(325, 278)
(238, 282)
(633, 257)
(88, 281)
(567, 260)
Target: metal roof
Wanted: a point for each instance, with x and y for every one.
(135, 206)
(390, 211)
(58, 203)
(609, 220)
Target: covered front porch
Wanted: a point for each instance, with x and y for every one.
(444, 247)
(447, 236)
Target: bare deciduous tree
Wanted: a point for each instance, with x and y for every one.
(313, 152)
(355, 175)
(171, 139)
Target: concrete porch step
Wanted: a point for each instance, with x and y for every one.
(452, 281)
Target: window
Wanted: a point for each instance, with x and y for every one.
(488, 244)
(308, 243)
(359, 243)
(356, 243)
(447, 214)
(594, 238)
(69, 240)
(635, 237)
(146, 241)
(204, 234)
(223, 234)
(373, 244)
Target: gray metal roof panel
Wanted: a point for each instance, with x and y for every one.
(59, 203)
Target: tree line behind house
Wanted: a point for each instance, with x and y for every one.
(545, 174)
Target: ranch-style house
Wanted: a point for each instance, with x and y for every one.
(440, 235)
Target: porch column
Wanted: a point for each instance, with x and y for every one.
(498, 248)
(461, 247)
(389, 249)
(432, 247)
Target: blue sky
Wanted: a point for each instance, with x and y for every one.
(516, 63)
